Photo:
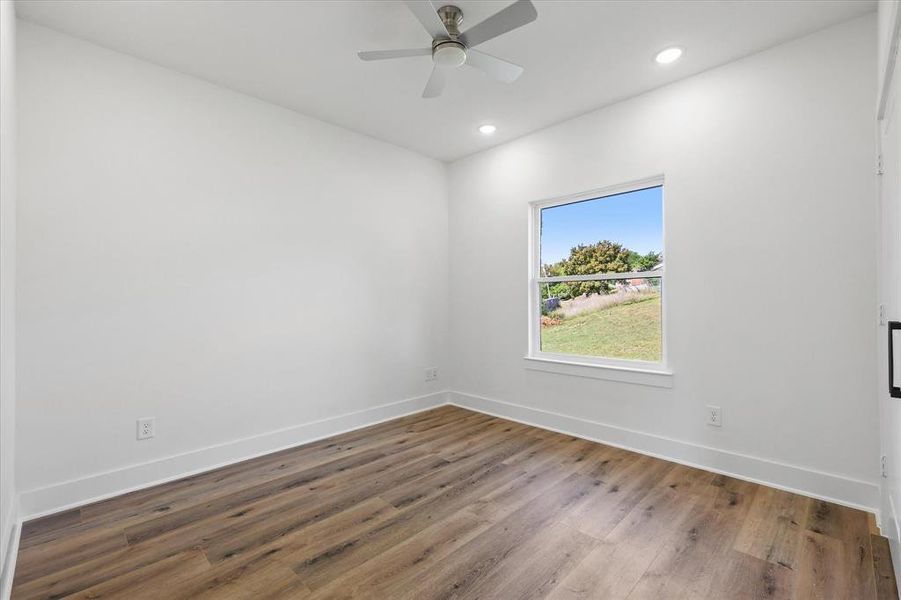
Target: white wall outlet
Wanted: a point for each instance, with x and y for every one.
(146, 428)
(431, 374)
(714, 416)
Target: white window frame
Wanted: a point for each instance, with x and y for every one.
(629, 371)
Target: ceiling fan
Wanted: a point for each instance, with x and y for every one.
(451, 48)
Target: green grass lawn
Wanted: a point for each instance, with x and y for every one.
(627, 331)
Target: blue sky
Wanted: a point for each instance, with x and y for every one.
(633, 219)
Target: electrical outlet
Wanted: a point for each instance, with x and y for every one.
(146, 428)
(431, 374)
(714, 416)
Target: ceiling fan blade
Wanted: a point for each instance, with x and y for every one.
(436, 82)
(521, 12)
(497, 68)
(386, 54)
(428, 16)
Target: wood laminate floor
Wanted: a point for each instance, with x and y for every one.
(455, 504)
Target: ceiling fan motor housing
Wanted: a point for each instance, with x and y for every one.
(448, 53)
(452, 17)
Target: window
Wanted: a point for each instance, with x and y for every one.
(597, 278)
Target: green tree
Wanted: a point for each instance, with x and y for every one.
(590, 259)
(603, 257)
(643, 262)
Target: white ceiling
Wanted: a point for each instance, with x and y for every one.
(578, 55)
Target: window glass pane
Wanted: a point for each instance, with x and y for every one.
(615, 234)
(622, 320)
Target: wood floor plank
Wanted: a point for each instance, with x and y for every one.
(691, 557)
(532, 570)
(279, 517)
(836, 521)
(388, 574)
(449, 503)
(252, 578)
(316, 534)
(51, 525)
(772, 530)
(471, 445)
(93, 572)
(36, 561)
(356, 468)
(886, 586)
(622, 490)
(258, 578)
(540, 473)
(871, 520)
(820, 573)
(174, 520)
(318, 569)
(687, 480)
(613, 568)
(744, 577)
(851, 527)
(151, 581)
(469, 567)
(421, 489)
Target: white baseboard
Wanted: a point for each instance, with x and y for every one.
(70, 494)
(839, 489)
(891, 527)
(809, 482)
(10, 541)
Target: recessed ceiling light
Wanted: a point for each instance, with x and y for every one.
(665, 57)
(487, 129)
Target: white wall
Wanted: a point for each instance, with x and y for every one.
(890, 286)
(771, 239)
(193, 254)
(7, 274)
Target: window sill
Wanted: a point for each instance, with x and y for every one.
(637, 375)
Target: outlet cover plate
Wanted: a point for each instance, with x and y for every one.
(146, 428)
